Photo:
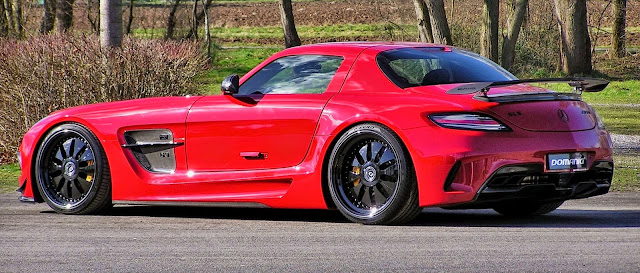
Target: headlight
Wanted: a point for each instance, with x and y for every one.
(468, 121)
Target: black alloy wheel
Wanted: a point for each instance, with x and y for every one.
(72, 171)
(371, 179)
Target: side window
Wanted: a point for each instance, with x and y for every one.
(301, 74)
(415, 70)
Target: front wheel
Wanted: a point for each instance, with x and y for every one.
(72, 171)
(371, 178)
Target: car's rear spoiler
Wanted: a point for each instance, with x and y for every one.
(579, 85)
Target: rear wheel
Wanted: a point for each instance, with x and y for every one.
(72, 171)
(371, 179)
(527, 209)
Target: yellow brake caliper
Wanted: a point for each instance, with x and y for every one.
(356, 171)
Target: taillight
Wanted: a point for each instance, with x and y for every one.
(468, 121)
(598, 119)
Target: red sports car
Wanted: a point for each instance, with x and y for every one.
(377, 130)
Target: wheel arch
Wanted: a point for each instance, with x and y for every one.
(47, 129)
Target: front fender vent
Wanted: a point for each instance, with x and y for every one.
(153, 149)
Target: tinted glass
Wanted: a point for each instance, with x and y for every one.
(409, 67)
(301, 74)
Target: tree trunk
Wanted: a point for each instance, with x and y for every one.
(4, 25)
(575, 50)
(18, 18)
(199, 17)
(65, 15)
(489, 33)
(618, 36)
(194, 20)
(94, 21)
(439, 23)
(424, 23)
(206, 28)
(517, 10)
(291, 38)
(110, 23)
(48, 17)
(8, 12)
(130, 17)
(171, 22)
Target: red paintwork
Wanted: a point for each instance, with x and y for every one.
(295, 133)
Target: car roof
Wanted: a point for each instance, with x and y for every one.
(354, 48)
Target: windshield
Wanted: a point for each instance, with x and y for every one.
(409, 67)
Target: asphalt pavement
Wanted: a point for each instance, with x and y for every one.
(599, 234)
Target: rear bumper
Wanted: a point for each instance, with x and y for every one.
(455, 167)
(529, 183)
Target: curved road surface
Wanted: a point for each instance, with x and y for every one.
(600, 234)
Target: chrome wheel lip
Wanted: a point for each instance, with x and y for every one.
(343, 162)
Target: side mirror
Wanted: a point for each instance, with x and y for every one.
(230, 85)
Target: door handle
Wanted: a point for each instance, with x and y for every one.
(253, 155)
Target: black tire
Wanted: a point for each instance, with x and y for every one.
(371, 177)
(72, 171)
(527, 209)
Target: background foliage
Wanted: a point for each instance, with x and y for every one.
(51, 72)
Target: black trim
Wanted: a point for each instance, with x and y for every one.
(152, 144)
(579, 84)
(529, 182)
(522, 97)
(452, 176)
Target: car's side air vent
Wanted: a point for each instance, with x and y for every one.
(153, 149)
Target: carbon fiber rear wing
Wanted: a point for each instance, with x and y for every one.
(579, 85)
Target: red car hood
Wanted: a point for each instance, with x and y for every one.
(548, 116)
(147, 109)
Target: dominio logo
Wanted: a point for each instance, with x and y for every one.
(566, 161)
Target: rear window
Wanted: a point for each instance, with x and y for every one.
(409, 67)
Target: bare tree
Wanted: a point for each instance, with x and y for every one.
(424, 22)
(198, 20)
(618, 36)
(4, 25)
(207, 31)
(439, 23)
(18, 19)
(171, 21)
(8, 12)
(194, 20)
(516, 14)
(94, 20)
(489, 33)
(291, 38)
(128, 28)
(64, 15)
(575, 50)
(48, 17)
(110, 23)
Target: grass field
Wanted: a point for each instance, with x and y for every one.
(9, 177)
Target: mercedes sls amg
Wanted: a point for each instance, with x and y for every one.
(376, 130)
